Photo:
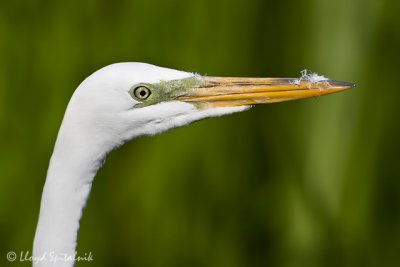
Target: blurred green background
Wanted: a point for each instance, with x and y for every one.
(307, 183)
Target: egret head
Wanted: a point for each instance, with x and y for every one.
(125, 100)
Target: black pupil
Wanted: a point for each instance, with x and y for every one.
(142, 92)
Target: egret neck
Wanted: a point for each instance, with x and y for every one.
(76, 159)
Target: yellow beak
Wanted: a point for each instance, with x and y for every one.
(223, 91)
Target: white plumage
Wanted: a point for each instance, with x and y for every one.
(102, 114)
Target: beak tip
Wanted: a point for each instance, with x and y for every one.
(341, 86)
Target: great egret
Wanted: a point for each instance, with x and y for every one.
(125, 100)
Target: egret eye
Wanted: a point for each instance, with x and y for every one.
(141, 92)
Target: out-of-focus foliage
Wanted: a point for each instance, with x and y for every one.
(308, 183)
